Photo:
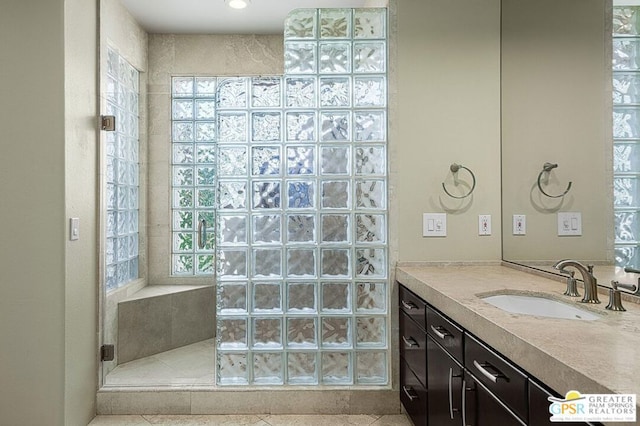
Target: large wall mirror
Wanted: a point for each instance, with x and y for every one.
(557, 110)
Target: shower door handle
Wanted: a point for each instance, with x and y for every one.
(202, 233)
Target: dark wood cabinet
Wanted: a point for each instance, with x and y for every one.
(445, 378)
(413, 395)
(483, 408)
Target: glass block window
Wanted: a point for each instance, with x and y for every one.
(626, 134)
(122, 171)
(194, 177)
(301, 238)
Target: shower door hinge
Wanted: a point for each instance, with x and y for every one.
(107, 352)
(108, 123)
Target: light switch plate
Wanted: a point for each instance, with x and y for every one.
(74, 228)
(434, 225)
(519, 224)
(569, 224)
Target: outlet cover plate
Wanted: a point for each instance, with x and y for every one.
(519, 224)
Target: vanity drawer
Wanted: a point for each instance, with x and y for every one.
(446, 333)
(413, 306)
(413, 396)
(502, 378)
(413, 347)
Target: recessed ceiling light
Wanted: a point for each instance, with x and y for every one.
(237, 4)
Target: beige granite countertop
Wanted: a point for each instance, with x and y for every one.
(601, 356)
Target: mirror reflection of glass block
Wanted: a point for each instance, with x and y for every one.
(335, 228)
(371, 331)
(232, 127)
(232, 161)
(301, 126)
(301, 228)
(370, 126)
(266, 92)
(206, 175)
(336, 332)
(266, 229)
(627, 226)
(335, 263)
(336, 368)
(300, 23)
(626, 88)
(232, 230)
(231, 298)
(181, 198)
(206, 198)
(626, 54)
(335, 160)
(301, 297)
(267, 368)
(232, 93)
(232, 333)
(182, 87)
(205, 109)
(266, 195)
(625, 122)
(205, 87)
(300, 160)
(301, 333)
(369, 57)
(182, 242)
(335, 58)
(369, 91)
(335, 126)
(300, 92)
(624, 192)
(301, 195)
(265, 160)
(205, 264)
(371, 367)
(301, 263)
(301, 368)
(626, 157)
(232, 263)
(182, 131)
(371, 297)
(370, 228)
(371, 262)
(336, 297)
(335, 194)
(183, 154)
(266, 126)
(335, 92)
(267, 263)
(267, 333)
(182, 109)
(369, 23)
(370, 194)
(627, 255)
(335, 23)
(205, 131)
(267, 297)
(232, 195)
(299, 58)
(232, 369)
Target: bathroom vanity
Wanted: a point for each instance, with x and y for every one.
(467, 362)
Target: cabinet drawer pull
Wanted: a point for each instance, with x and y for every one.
(410, 342)
(482, 368)
(411, 394)
(408, 305)
(441, 332)
(451, 377)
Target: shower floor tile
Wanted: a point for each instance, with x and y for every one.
(255, 420)
(189, 365)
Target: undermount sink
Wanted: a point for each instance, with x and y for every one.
(539, 306)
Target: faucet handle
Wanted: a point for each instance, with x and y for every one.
(615, 301)
(572, 286)
(590, 269)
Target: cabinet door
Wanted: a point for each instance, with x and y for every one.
(413, 395)
(413, 347)
(482, 408)
(539, 407)
(444, 381)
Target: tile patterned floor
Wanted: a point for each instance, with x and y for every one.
(262, 420)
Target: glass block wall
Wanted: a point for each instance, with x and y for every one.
(626, 134)
(302, 209)
(193, 175)
(122, 168)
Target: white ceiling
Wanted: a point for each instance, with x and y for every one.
(215, 17)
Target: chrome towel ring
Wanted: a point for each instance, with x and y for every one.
(454, 169)
(546, 168)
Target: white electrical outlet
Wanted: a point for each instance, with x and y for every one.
(484, 224)
(569, 224)
(434, 225)
(519, 224)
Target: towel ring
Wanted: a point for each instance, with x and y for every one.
(454, 169)
(546, 168)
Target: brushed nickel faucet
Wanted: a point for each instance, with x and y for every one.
(589, 280)
(615, 301)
